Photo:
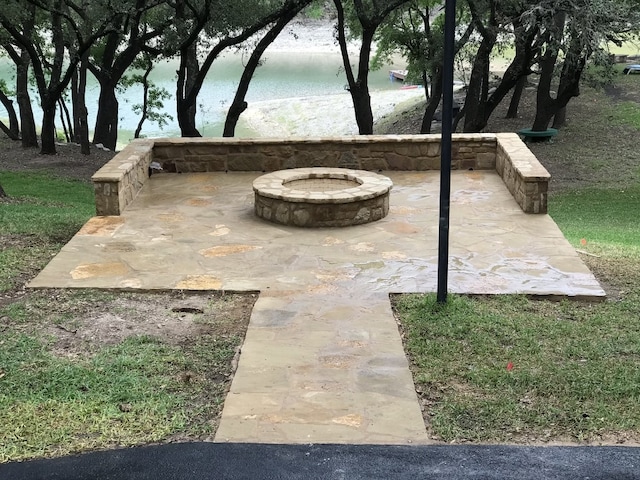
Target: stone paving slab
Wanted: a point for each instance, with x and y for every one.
(322, 361)
(319, 370)
(198, 231)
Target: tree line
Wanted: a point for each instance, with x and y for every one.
(55, 44)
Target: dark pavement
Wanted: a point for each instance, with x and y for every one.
(195, 461)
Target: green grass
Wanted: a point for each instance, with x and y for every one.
(45, 205)
(48, 403)
(43, 214)
(605, 218)
(626, 113)
(575, 368)
(55, 401)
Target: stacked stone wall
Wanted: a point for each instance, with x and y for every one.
(522, 173)
(119, 181)
(373, 153)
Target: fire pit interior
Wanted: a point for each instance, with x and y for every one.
(322, 197)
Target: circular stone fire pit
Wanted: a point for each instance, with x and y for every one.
(322, 197)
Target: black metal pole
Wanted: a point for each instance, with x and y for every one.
(445, 147)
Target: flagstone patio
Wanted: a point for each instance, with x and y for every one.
(322, 361)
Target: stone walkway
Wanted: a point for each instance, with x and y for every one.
(323, 360)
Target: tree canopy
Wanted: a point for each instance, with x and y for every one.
(55, 44)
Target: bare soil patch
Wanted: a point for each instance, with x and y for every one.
(68, 163)
(82, 324)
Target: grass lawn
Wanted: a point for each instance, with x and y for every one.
(42, 214)
(82, 370)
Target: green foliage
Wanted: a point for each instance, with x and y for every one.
(152, 110)
(5, 88)
(412, 31)
(153, 97)
(316, 10)
(600, 71)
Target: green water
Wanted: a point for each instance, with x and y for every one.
(283, 75)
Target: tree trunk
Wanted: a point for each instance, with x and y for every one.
(2, 192)
(48, 136)
(27, 119)
(434, 101)
(106, 129)
(560, 118)
(13, 130)
(81, 115)
(477, 91)
(145, 99)
(239, 104)
(187, 82)
(68, 131)
(8, 132)
(362, 106)
(545, 105)
(514, 104)
(358, 87)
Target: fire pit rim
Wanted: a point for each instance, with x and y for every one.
(273, 185)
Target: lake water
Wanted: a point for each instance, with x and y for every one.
(283, 75)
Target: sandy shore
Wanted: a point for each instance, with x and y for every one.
(319, 116)
(325, 115)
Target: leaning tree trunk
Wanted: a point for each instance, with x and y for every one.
(13, 130)
(514, 104)
(239, 104)
(8, 132)
(434, 101)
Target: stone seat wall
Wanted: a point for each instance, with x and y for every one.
(117, 183)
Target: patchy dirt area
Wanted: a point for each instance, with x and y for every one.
(68, 163)
(79, 323)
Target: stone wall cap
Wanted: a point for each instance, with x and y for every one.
(274, 185)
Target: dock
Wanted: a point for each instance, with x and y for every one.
(398, 74)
